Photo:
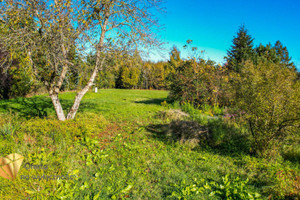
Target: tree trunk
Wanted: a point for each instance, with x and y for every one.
(73, 110)
(58, 108)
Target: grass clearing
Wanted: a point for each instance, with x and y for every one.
(117, 149)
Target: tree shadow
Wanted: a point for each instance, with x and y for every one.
(39, 106)
(219, 138)
(28, 107)
(159, 131)
(156, 101)
(293, 155)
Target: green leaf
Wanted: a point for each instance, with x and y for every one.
(30, 191)
(96, 196)
(127, 189)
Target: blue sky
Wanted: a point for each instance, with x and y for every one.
(211, 24)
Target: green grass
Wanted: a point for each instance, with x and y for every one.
(114, 154)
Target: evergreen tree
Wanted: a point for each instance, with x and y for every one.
(277, 54)
(283, 54)
(266, 54)
(241, 50)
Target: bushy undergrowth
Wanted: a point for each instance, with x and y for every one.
(263, 97)
(268, 95)
(228, 137)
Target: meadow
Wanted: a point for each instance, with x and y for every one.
(119, 147)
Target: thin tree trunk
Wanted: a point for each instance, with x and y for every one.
(74, 109)
(80, 94)
(53, 93)
(57, 106)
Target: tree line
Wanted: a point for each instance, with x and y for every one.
(258, 86)
(127, 70)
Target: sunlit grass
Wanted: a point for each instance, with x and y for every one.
(114, 154)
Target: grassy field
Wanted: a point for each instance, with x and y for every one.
(116, 148)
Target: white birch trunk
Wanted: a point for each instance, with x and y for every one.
(57, 106)
(73, 110)
(78, 98)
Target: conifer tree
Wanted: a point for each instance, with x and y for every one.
(283, 54)
(277, 54)
(266, 54)
(241, 50)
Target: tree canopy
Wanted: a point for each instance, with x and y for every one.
(45, 33)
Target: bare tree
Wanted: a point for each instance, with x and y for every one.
(45, 31)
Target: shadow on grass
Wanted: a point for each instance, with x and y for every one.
(219, 138)
(157, 101)
(28, 107)
(40, 106)
(159, 131)
(293, 155)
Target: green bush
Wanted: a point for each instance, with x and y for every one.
(200, 82)
(268, 95)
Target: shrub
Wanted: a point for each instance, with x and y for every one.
(288, 186)
(200, 82)
(269, 96)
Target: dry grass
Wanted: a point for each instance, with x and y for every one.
(188, 132)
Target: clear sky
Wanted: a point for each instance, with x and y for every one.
(211, 24)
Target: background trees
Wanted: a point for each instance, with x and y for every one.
(277, 54)
(241, 50)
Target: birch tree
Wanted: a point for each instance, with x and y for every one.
(45, 31)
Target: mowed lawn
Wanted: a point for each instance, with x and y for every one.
(116, 149)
